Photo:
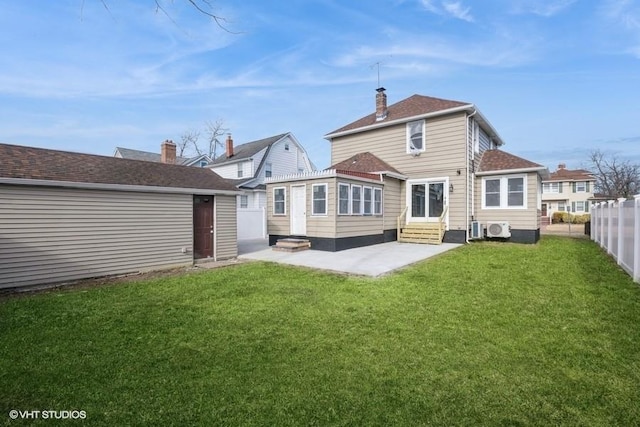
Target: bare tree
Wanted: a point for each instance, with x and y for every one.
(188, 142)
(615, 177)
(215, 131)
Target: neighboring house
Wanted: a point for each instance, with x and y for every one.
(567, 190)
(421, 170)
(67, 216)
(200, 161)
(249, 164)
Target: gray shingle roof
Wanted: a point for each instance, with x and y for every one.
(147, 156)
(53, 165)
(245, 151)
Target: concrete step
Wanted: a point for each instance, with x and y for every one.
(421, 241)
(291, 245)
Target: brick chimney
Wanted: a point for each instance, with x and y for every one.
(168, 152)
(229, 146)
(381, 104)
(562, 166)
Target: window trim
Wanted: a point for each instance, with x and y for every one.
(408, 136)
(364, 200)
(344, 184)
(375, 211)
(326, 199)
(551, 189)
(584, 188)
(504, 191)
(359, 212)
(244, 197)
(284, 201)
(268, 170)
(240, 170)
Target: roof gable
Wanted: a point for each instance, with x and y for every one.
(571, 175)
(249, 149)
(415, 105)
(20, 162)
(498, 160)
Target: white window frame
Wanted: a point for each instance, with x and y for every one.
(284, 201)
(504, 191)
(367, 204)
(410, 149)
(561, 207)
(584, 186)
(551, 187)
(313, 199)
(359, 211)
(203, 163)
(580, 206)
(377, 201)
(240, 171)
(268, 170)
(244, 201)
(348, 187)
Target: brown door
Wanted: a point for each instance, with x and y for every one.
(544, 209)
(203, 226)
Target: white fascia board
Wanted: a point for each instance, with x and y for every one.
(115, 187)
(493, 134)
(467, 107)
(393, 175)
(540, 171)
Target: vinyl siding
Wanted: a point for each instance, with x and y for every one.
(49, 234)
(521, 219)
(230, 171)
(445, 153)
(285, 162)
(226, 245)
(359, 225)
(393, 199)
(322, 225)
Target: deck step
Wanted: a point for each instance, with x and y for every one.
(292, 245)
(421, 241)
(426, 233)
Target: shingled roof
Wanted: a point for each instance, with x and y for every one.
(147, 156)
(19, 162)
(245, 151)
(498, 160)
(571, 175)
(364, 162)
(415, 105)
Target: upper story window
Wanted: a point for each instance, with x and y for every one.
(581, 187)
(286, 146)
(319, 206)
(203, 163)
(279, 199)
(268, 170)
(551, 187)
(244, 201)
(239, 170)
(415, 136)
(507, 192)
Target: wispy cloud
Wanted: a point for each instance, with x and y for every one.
(623, 19)
(454, 9)
(544, 8)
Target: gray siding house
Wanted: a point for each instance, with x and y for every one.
(442, 173)
(67, 216)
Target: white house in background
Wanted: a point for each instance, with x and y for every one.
(200, 161)
(249, 164)
(567, 190)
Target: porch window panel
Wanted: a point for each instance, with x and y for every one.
(343, 199)
(377, 201)
(319, 199)
(279, 198)
(515, 192)
(367, 200)
(356, 200)
(492, 192)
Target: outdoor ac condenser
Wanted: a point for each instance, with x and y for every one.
(498, 229)
(477, 230)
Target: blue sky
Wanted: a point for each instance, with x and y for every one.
(556, 78)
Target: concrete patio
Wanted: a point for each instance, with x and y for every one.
(374, 260)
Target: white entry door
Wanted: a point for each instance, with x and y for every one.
(298, 210)
(427, 199)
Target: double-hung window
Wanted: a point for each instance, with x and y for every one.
(377, 201)
(507, 192)
(279, 201)
(356, 200)
(367, 197)
(268, 168)
(551, 187)
(239, 170)
(344, 191)
(581, 187)
(244, 201)
(319, 206)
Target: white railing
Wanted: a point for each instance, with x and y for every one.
(615, 225)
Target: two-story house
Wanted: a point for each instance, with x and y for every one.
(419, 167)
(567, 190)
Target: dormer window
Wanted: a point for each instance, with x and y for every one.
(415, 137)
(286, 146)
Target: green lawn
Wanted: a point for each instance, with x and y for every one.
(487, 334)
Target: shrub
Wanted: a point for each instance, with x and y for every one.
(565, 217)
(559, 217)
(580, 219)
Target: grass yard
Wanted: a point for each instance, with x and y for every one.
(487, 334)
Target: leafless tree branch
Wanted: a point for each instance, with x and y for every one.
(215, 130)
(615, 177)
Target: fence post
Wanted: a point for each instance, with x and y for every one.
(594, 221)
(610, 226)
(620, 229)
(603, 211)
(636, 239)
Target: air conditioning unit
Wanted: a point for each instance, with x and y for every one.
(477, 230)
(498, 229)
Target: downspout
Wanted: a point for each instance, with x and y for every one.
(467, 176)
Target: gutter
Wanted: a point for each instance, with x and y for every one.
(521, 170)
(116, 187)
(471, 190)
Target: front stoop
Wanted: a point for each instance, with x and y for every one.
(292, 245)
(426, 233)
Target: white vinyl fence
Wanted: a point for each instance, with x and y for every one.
(615, 225)
(252, 224)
